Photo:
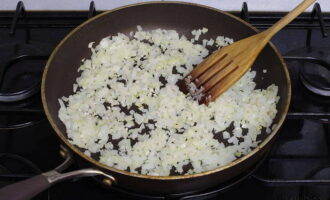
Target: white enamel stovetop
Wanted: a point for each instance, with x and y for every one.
(227, 5)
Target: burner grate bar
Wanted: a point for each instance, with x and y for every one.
(307, 115)
(21, 110)
(293, 182)
(20, 10)
(245, 12)
(308, 59)
(92, 10)
(316, 11)
(20, 125)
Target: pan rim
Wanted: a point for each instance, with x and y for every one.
(176, 177)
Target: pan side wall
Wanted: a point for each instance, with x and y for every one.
(61, 72)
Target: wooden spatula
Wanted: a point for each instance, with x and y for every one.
(226, 66)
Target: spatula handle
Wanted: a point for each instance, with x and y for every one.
(288, 18)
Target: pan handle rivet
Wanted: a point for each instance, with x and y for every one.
(107, 181)
(63, 153)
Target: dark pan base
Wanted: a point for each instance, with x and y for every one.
(154, 187)
(207, 193)
(61, 73)
(201, 186)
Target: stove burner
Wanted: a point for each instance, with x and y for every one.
(16, 85)
(315, 69)
(320, 91)
(21, 67)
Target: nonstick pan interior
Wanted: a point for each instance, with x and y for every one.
(61, 70)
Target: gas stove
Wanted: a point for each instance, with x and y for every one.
(298, 167)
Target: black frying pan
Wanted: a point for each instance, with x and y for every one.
(61, 71)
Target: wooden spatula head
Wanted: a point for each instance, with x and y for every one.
(226, 66)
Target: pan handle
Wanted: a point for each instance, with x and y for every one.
(27, 189)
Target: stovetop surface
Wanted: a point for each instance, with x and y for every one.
(298, 167)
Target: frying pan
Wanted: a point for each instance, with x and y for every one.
(61, 72)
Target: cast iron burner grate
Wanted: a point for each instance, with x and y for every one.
(20, 106)
(314, 68)
(28, 55)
